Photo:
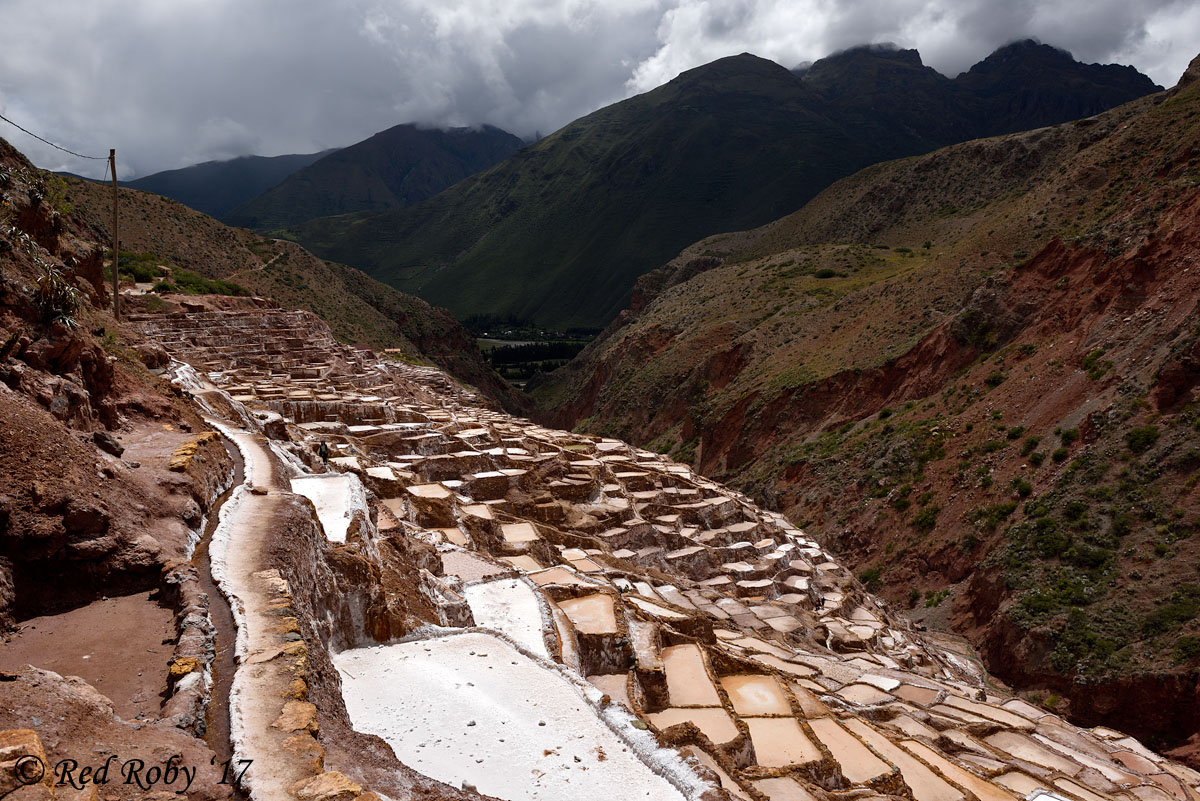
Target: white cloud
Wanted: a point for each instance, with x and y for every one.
(172, 82)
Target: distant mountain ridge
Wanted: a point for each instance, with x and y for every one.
(218, 187)
(559, 232)
(397, 167)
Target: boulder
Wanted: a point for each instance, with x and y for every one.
(107, 443)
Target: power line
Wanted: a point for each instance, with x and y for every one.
(47, 141)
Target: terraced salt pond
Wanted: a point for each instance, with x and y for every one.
(337, 497)
(470, 707)
(509, 606)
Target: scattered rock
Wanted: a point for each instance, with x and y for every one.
(298, 716)
(107, 443)
(330, 786)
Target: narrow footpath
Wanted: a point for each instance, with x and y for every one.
(262, 725)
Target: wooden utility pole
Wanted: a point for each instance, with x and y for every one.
(112, 167)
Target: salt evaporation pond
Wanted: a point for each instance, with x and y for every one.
(336, 496)
(510, 607)
(471, 707)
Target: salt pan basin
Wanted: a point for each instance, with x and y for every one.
(510, 607)
(471, 707)
(337, 497)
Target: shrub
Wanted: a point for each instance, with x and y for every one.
(1094, 366)
(1182, 605)
(57, 299)
(870, 577)
(1023, 487)
(1139, 440)
(991, 516)
(1060, 454)
(1030, 445)
(995, 379)
(1069, 436)
(925, 520)
(1037, 458)
(1186, 648)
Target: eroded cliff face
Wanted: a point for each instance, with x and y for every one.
(988, 405)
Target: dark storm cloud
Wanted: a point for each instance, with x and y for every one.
(174, 82)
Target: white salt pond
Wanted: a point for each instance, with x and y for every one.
(471, 707)
(337, 497)
(509, 606)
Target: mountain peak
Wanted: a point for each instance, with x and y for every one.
(886, 51)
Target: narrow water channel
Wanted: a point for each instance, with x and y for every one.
(216, 732)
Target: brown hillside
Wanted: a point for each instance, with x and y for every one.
(359, 309)
(973, 373)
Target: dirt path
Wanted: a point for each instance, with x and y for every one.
(262, 676)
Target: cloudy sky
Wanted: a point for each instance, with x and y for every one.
(175, 82)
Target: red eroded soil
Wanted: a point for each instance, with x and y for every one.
(120, 646)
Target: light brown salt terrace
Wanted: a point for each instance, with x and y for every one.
(591, 614)
(783, 789)
(924, 783)
(430, 491)
(780, 741)
(516, 533)
(756, 695)
(715, 723)
(858, 763)
(688, 683)
(523, 562)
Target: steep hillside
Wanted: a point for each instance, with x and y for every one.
(357, 308)
(974, 374)
(397, 167)
(559, 232)
(218, 187)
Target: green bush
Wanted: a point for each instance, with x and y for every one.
(192, 283)
(1060, 454)
(870, 577)
(1187, 648)
(57, 299)
(1180, 607)
(140, 267)
(1141, 439)
(1023, 487)
(1037, 458)
(1069, 436)
(1094, 366)
(925, 520)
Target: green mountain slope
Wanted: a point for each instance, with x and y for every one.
(559, 232)
(397, 167)
(975, 374)
(217, 187)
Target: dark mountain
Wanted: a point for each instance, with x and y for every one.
(218, 187)
(559, 232)
(397, 167)
(1028, 85)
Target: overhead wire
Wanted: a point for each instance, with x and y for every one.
(48, 142)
